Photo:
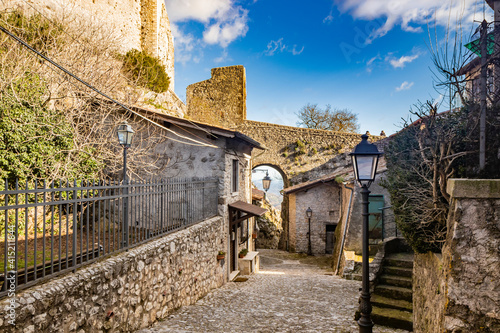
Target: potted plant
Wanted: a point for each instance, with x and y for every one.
(221, 255)
(243, 253)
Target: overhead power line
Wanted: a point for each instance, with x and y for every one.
(88, 85)
(78, 42)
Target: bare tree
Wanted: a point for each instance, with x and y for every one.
(339, 120)
(65, 110)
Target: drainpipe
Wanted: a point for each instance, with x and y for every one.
(345, 227)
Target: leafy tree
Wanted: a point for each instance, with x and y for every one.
(339, 120)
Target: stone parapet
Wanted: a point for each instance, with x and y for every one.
(462, 291)
(128, 291)
(474, 188)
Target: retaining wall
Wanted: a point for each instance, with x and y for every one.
(128, 291)
(465, 296)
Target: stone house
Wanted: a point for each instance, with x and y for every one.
(336, 221)
(227, 157)
(132, 289)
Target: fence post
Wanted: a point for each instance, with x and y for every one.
(75, 227)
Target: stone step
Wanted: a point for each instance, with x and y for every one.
(399, 260)
(390, 318)
(353, 276)
(398, 271)
(398, 304)
(394, 292)
(398, 281)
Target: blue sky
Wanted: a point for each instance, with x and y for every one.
(369, 56)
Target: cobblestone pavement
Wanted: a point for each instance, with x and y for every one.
(289, 294)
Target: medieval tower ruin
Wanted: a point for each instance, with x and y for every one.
(139, 24)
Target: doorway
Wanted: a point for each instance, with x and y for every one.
(330, 238)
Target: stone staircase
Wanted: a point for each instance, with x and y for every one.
(392, 296)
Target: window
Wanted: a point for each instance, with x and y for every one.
(235, 176)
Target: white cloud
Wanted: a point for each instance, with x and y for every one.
(401, 62)
(411, 14)
(223, 57)
(405, 86)
(369, 63)
(328, 19)
(274, 46)
(277, 46)
(225, 32)
(295, 51)
(223, 21)
(186, 46)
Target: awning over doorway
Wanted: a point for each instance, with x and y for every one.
(236, 209)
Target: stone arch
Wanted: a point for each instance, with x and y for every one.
(284, 176)
(283, 243)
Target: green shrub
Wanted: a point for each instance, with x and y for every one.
(34, 30)
(146, 70)
(36, 140)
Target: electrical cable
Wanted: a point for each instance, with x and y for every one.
(78, 42)
(20, 41)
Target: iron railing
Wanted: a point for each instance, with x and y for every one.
(51, 228)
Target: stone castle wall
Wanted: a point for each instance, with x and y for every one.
(302, 154)
(128, 291)
(140, 24)
(465, 293)
(220, 100)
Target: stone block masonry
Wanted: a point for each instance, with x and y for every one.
(220, 100)
(128, 291)
(464, 295)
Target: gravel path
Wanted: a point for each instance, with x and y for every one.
(289, 294)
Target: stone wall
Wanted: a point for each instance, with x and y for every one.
(220, 100)
(128, 291)
(140, 24)
(324, 200)
(429, 293)
(318, 153)
(470, 263)
(354, 233)
(270, 227)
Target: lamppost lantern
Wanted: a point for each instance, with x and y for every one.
(365, 161)
(266, 181)
(309, 212)
(125, 134)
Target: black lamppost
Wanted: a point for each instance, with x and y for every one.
(309, 214)
(364, 161)
(125, 134)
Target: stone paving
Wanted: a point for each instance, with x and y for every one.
(289, 294)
